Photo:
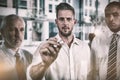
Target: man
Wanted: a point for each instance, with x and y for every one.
(62, 57)
(106, 49)
(13, 60)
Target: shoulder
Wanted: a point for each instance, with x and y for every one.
(83, 49)
(2, 54)
(27, 54)
(1, 51)
(99, 40)
(81, 43)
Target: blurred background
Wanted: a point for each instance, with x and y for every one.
(39, 16)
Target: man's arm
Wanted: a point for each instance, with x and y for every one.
(37, 71)
(48, 53)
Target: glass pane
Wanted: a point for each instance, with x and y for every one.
(3, 3)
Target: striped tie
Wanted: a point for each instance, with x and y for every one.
(112, 59)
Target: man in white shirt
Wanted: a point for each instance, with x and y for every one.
(101, 46)
(13, 60)
(62, 57)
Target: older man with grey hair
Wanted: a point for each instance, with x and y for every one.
(13, 60)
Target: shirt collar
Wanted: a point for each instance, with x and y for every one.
(11, 52)
(75, 41)
(109, 33)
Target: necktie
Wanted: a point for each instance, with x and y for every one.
(112, 59)
(20, 68)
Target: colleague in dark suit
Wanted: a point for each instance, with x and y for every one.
(106, 48)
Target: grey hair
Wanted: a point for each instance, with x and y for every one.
(7, 20)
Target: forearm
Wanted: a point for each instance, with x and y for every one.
(37, 71)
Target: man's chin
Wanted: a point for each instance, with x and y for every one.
(66, 34)
(17, 44)
(115, 30)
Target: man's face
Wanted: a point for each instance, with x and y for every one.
(65, 22)
(14, 34)
(112, 17)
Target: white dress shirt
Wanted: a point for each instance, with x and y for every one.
(100, 49)
(8, 62)
(71, 64)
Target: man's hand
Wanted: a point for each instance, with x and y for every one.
(49, 51)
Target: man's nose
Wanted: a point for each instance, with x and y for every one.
(65, 21)
(17, 33)
(111, 18)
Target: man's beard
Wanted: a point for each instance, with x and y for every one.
(65, 34)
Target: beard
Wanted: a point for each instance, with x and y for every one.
(65, 34)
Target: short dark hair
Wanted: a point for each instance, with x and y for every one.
(7, 20)
(64, 6)
(113, 4)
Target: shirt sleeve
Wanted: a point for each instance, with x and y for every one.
(36, 60)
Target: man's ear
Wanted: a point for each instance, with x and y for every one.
(75, 21)
(55, 20)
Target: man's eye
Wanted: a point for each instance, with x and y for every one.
(115, 15)
(61, 19)
(22, 29)
(69, 19)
